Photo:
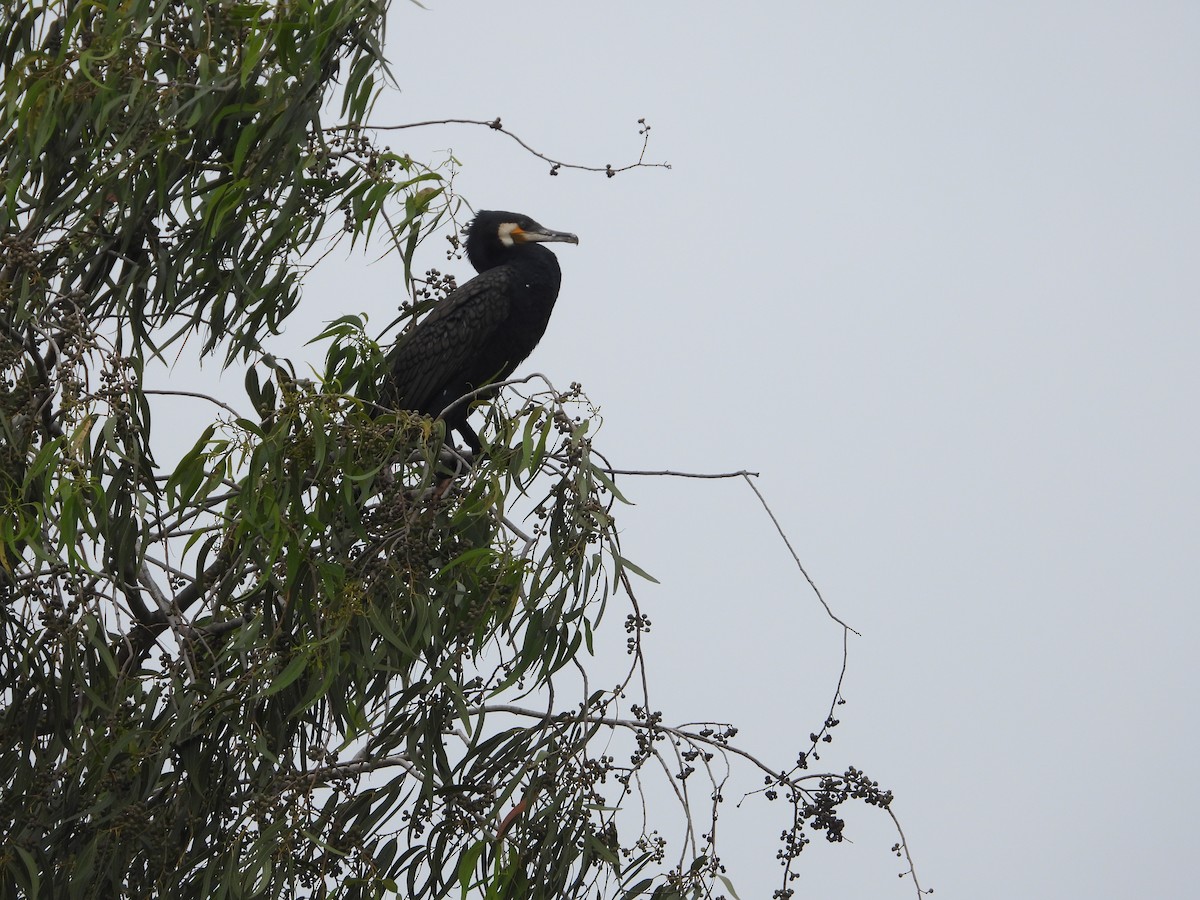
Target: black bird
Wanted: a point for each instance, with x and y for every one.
(482, 330)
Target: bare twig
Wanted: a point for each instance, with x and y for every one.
(496, 125)
(903, 848)
(170, 569)
(493, 388)
(358, 766)
(198, 508)
(792, 550)
(742, 473)
(225, 406)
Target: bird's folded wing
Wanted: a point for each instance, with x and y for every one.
(438, 352)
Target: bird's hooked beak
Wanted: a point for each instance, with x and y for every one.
(540, 235)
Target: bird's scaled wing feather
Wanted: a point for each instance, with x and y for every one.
(437, 353)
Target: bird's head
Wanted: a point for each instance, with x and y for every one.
(495, 232)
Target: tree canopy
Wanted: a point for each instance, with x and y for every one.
(300, 661)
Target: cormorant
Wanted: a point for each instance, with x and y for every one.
(483, 329)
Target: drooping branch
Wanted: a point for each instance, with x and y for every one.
(792, 550)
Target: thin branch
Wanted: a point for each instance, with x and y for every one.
(167, 611)
(792, 550)
(216, 629)
(496, 125)
(912, 868)
(742, 473)
(493, 388)
(197, 508)
(681, 797)
(138, 641)
(225, 406)
(358, 766)
(748, 476)
(632, 724)
(170, 569)
(519, 532)
(45, 409)
(846, 629)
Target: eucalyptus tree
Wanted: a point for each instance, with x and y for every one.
(317, 655)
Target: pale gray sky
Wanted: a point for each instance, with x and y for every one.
(933, 269)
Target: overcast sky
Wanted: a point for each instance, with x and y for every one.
(933, 270)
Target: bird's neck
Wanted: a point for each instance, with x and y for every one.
(540, 268)
(533, 258)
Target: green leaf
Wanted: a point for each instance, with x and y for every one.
(246, 140)
(33, 885)
(623, 563)
(729, 886)
(605, 479)
(293, 670)
(466, 866)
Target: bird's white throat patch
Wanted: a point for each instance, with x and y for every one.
(506, 233)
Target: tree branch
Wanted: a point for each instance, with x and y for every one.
(496, 125)
(141, 638)
(225, 406)
(792, 550)
(741, 473)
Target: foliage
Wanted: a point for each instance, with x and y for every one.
(293, 663)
